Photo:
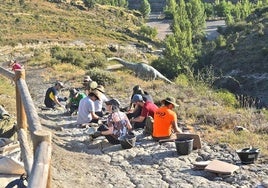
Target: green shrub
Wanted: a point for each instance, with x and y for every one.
(221, 41)
(227, 98)
(148, 31)
(101, 77)
(182, 80)
(96, 59)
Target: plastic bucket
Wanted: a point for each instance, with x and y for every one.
(184, 146)
(128, 141)
(248, 155)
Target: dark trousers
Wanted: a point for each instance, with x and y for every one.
(111, 139)
(73, 108)
(100, 114)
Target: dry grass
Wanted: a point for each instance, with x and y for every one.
(236, 141)
(7, 95)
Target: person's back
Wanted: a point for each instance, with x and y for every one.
(119, 121)
(148, 109)
(163, 118)
(86, 105)
(49, 97)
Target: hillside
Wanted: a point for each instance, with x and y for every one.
(244, 56)
(41, 21)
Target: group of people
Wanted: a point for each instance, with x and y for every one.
(143, 112)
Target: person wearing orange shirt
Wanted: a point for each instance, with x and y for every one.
(165, 120)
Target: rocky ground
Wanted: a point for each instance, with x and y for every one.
(81, 163)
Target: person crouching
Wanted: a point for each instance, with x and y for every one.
(118, 124)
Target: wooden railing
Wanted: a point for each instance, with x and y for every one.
(36, 155)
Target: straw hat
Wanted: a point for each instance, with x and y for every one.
(97, 93)
(171, 100)
(100, 88)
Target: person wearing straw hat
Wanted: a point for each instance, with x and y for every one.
(99, 107)
(86, 108)
(165, 120)
(118, 125)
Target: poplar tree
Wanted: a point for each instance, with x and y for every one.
(145, 8)
(179, 51)
(197, 17)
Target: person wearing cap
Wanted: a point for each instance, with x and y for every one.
(86, 108)
(52, 96)
(74, 99)
(118, 125)
(148, 109)
(135, 110)
(89, 84)
(86, 80)
(165, 120)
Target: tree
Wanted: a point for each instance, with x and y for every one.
(170, 8)
(196, 14)
(145, 8)
(179, 52)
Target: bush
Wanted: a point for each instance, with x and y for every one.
(148, 31)
(227, 98)
(101, 77)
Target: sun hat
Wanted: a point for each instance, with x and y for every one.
(59, 83)
(171, 100)
(136, 98)
(73, 92)
(87, 79)
(113, 102)
(97, 93)
(92, 85)
(100, 88)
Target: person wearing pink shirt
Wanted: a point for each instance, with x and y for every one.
(15, 65)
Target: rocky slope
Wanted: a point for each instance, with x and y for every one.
(79, 162)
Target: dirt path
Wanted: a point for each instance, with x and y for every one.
(163, 27)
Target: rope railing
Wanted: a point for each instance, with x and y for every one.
(36, 160)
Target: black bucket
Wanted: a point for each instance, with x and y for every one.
(128, 141)
(248, 155)
(184, 146)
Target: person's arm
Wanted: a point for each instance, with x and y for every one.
(129, 127)
(138, 119)
(94, 116)
(108, 132)
(175, 127)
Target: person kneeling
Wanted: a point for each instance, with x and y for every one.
(118, 125)
(165, 120)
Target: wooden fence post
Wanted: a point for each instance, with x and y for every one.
(21, 115)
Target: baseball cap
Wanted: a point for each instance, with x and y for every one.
(59, 83)
(136, 98)
(87, 79)
(113, 102)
